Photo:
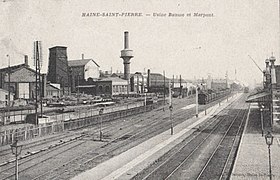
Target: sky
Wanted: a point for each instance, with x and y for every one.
(193, 47)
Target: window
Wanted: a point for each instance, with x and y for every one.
(100, 89)
(107, 89)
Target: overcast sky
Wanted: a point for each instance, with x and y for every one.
(190, 46)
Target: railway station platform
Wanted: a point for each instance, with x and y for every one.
(129, 163)
(252, 160)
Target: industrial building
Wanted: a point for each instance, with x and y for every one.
(112, 86)
(22, 80)
(4, 96)
(83, 69)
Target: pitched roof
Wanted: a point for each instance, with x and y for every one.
(115, 79)
(16, 68)
(12, 67)
(80, 62)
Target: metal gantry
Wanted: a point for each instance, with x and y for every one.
(38, 86)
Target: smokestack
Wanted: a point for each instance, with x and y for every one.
(82, 56)
(126, 42)
(26, 60)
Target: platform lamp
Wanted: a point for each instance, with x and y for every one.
(196, 100)
(269, 142)
(100, 116)
(171, 108)
(16, 150)
(261, 110)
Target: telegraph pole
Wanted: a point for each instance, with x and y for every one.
(180, 86)
(170, 107)
(163, 88)
(9, 84)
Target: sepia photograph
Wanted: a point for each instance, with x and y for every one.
(139, 90)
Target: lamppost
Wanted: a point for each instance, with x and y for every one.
(269, 141)
(261, 109)
(171, 108)
(16, 150)
(145, 100)
(100, 116)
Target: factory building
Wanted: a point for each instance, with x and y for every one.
(81, 70)
(157, 83)
(138, 83)
(112, 86)
(52, 90)
(22, 80)
(179, 87)
(218, 84)
(4, 96)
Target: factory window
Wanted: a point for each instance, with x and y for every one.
(115, 89)
(107, 89)
(100, 89)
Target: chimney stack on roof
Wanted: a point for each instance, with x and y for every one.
(83, 56)
(25, 60)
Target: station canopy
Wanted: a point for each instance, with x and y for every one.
(259, 97)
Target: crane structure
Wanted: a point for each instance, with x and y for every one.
(255, 63)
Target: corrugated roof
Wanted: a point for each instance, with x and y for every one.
(259, 97)
(80, 62)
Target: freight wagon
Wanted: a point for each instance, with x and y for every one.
(205, 97)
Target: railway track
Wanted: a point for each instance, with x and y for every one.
(49, 154)
(218, 165)
(180, 158)
(154, 124)
(88, 160)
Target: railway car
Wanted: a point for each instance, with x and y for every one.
(202, 98)
(209, 96)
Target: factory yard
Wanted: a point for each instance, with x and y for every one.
(68, 154)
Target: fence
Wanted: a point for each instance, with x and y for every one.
(32, 131)
(14, 116)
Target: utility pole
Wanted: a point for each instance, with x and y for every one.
(163, 88)
(9, 89)
(170, 107)
(173, 81)
(180, 86)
